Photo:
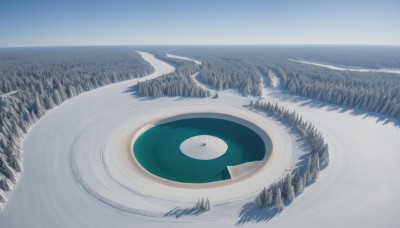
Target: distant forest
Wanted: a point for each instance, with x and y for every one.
(376, 92)
(370, 91)
(33, 81)
(178, 83)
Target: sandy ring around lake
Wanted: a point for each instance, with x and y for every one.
(190, 114)
(121, 164)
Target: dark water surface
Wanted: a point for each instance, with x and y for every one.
(157, 149)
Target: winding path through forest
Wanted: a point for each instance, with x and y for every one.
(390, 71)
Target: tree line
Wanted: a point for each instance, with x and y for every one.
(225, 74)
(45, 78)
(370, 91)
(284, 191)
(178, 83)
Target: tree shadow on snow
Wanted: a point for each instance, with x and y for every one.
(303, 143)
(285, 95)
(133, 91)
(179, 212)
(250, 213)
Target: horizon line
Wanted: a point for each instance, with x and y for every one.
(275, 44)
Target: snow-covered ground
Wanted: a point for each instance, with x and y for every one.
(201, 85)
(71, 179)
(184, 58)
(392, 71)
(358, 188)
(275, 81)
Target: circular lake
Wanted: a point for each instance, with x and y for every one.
(158, 149)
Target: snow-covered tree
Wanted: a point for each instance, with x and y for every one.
(5, 184)
(225, 73)
(178, 83)
(298, 183)
(290, 195)
(287, 184)
(264, 198)
(371, 91)
(319, 154)
(42, 81)
(48, 102)
(2, 197)
(208, 205)
(277, 201)
(203, 204)
(294, 183)
(40, 111)
(171, 85)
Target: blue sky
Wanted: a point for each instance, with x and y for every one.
(119, 22)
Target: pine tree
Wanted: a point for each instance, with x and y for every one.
(198, 204)
(202, 204)
(269, 197)
(48, 102)
(262, 198)
(315, 168)
(287, 187)
(39, 108)
(290, 197)
(16, 130)
(5, 185)
(258, 201)
(14, 162)
(298, 183)
(208, 205)
(278, 203)
(2, 197)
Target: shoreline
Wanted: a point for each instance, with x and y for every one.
(122, 167)
(262, 133)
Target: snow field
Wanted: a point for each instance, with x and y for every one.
(79, 183)
(358, 189)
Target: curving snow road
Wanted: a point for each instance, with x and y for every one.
(47, 194)
(184, 58)
(68, 182)
(390, 71)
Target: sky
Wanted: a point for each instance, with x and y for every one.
(198, 22)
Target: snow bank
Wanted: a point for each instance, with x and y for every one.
(243, 169)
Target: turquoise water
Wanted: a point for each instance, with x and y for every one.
(157, 149)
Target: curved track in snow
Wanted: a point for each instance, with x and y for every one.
(358, 189)
(183, 58)
(332, 67)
